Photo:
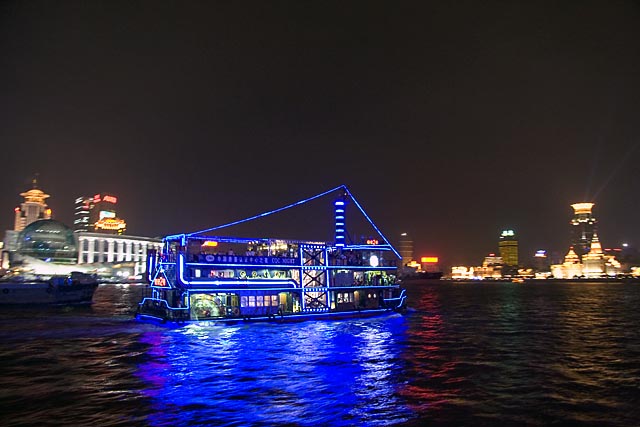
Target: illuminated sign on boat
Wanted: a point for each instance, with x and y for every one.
(429, 259)
(238, 259)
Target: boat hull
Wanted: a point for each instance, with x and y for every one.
(16, 293)
(286, 318)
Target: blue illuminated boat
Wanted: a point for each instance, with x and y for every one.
(200, 277)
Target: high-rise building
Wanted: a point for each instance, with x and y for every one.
(81, 220)
(541, 261)
(508, 246)
(32, 209)
(583, 227)
(98, 214)
(405, 247)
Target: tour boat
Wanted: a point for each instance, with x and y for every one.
(75, 288)
(204, 278)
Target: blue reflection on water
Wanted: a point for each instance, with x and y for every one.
(330, 373)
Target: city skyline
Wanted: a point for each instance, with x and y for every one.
(507, 244)
(451, 123)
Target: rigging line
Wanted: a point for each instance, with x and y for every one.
(269, 212)
(371, 222)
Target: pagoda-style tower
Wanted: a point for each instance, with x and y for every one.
(593, 261)
(583, 227)
(33, 208)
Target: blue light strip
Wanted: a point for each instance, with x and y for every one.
(371, 222)
(181, 265)
(267, 213)
(151, 264)
(240, 266)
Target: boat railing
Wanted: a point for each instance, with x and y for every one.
(158, 307)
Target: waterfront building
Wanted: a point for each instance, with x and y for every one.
(593, 261)
(33, 208)
(570, 268)
(48, 240)
(541, 262)
(508, 245)
(114, 249)
(583, 227)
(492, 260)
(430, 264)
(461, 272)
(98, 214)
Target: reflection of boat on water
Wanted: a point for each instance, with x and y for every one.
(199, 277)
(75, 288)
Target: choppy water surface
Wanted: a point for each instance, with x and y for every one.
(482, 354)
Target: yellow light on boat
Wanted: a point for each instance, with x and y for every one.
(210, 243)
(373, 261)
(429, 259)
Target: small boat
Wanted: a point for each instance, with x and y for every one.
(75, 288)
(204, 278)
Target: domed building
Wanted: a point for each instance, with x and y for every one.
(48, 240)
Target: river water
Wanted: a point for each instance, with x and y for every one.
(466, 354)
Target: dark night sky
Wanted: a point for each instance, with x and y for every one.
(447, 120)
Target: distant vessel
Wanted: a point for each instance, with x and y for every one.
(422, 275)
(76, 288)
(221, 279)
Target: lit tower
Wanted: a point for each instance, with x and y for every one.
(593, 261)
(33, 208)
(583, 227)
(339, 207)
(405, 248)
(81, 214)
(508, 246)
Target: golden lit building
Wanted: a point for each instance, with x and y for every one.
(583, 227)
(570, 268)
(593, 261)
(508, 246)
(33, 208)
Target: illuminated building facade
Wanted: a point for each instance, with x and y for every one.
(593, 261)
(583, 227)
(570, 268)
(98, 214)
(430, 264)
(81, 213)
(33, 208)
(541, 261)
(99, 248)
(508, 246)
(405, 248)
